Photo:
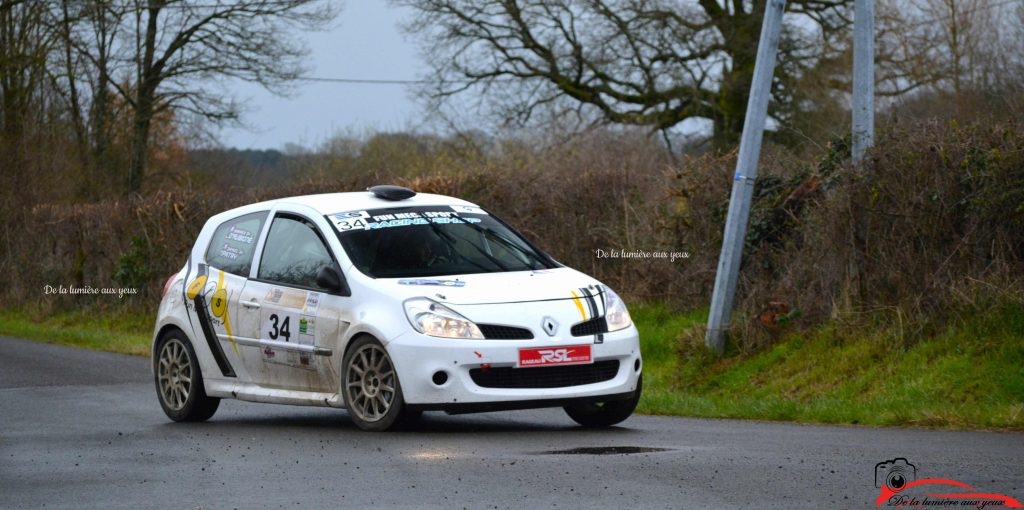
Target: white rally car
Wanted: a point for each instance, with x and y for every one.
(388, 303)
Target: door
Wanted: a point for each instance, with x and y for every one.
(214, 289)
(295, 329)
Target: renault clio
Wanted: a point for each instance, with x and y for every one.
(388, 303)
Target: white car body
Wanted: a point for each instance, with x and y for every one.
(230, 321)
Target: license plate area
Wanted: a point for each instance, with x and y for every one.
(560, 355)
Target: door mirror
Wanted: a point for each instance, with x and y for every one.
(329, 279)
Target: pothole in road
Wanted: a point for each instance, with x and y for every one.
(606, 450)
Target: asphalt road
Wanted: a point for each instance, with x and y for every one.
(80, 429)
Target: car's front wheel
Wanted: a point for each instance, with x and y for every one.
(370, 387)
(605, 414)
(179, 381)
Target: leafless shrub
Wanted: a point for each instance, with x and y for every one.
(942, 215)
(940, 208)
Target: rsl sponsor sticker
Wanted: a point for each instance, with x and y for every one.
(560, 355)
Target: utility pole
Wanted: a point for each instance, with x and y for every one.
(863, 77)
(746, 174)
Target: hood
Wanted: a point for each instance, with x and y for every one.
(494, 288)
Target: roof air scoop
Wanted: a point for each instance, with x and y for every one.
(389, 192)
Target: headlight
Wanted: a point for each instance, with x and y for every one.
(432, 318)
(615, 311)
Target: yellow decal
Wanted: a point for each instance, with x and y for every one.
(579, 306)
(219, 307)
(219, 302)
(195, 287)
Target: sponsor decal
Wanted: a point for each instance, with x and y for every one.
(351, 215)
(239, 234)
(546, 356)
(349, 220)
(197, 292)
(468, 209)
(312, 303)
(273, 296)
(286, 298)
(899, 486)
(196, 287)
(346, 222)
(429, 281)
(230, 252)
(219, 308)
(307, 326)
(288, 327)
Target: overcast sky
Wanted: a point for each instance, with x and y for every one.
(366, 43)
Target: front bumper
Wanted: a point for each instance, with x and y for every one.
(417, 358)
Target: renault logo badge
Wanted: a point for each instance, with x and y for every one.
(550, 326)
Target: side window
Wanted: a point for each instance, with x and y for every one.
(233, 243)
(293, 253)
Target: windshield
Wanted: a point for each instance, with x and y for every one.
(410, 242)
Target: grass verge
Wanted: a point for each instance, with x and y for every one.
(971, 375)
(113, 331)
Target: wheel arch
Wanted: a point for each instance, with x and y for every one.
(162, 333)
(353, 339)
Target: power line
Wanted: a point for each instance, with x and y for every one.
(376, 81)
(371, 81)
(144, 5)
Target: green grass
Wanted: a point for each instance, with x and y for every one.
(120, 331)
(970, 375)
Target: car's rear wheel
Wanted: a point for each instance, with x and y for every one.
(605, 414)
(179, 381)
(370, 386)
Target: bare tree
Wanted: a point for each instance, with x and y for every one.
(104, 27)
(952, 56)
(184, 49)
(65, 23)
(25, 44)
(653, 63)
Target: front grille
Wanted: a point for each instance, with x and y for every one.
(494, 332)
(591, 327)
(545, 377)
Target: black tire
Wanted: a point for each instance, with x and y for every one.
(605, 414)
(181, 400)
(409, 420)
(370, 387)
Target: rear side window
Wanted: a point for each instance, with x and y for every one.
(234, 242)
(293, 253)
